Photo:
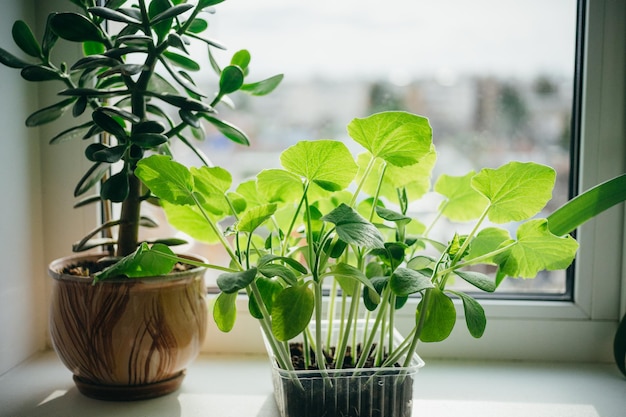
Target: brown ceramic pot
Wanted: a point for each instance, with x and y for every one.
(127, 339)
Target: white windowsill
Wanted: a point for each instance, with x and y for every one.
(240, 386)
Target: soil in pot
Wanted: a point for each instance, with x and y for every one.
(369, 392)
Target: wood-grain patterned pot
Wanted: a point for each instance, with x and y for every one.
(127, 339)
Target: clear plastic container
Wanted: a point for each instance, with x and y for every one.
(365, 392)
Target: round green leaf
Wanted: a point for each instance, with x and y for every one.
(440, 317)
(75, 27)
(24, 38)
(279, 185)
(225, 311)
(399, 138)
(516, 191)
(292, 311)
(463, 203)
(233, 282)
(255, 217)
(116, 188)
(352, 228)
(474, 314)
(241, 59)
(231, 79)
(167, 179)
(406, 281)
(326, 163)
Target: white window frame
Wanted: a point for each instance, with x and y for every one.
(581, 330)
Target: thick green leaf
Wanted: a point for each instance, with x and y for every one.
(241, 59)
(24, 38)
(163, 27)
(116, 111)
(231, 79)
(440, 317)
(233, 282)
(167, 179)
(49, 38)
(75, 27)
(149, 126)
(462, 203)
(264, 87)
(291, 312)
(98, 152)
(148, 140)
(113, 15)
(116, 187)
(255, 217)
(354, 229)
(109, 124)
(202, 4)
(170, 13)
(231, 132)
(516, 191)
(184, 102)
(478, 280)
(587, 205)
(10, 60)
(269, 290)
(198, 26)
(95, 61)
(327, 163)
(225, 311)
(474, 314)
(399, 138)
(144, 262)
(405, 281)
(279, 185)
(182, 61)
(75, 132)
(537, 249)
(91, 178)
(39, 73)
(49, 114)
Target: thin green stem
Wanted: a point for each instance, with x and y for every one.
(368, 169)
(419, 327)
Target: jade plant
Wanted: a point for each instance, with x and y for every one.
(331, 221)
(136, 89)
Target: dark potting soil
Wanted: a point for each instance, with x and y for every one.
(366, 393)
(88, 268)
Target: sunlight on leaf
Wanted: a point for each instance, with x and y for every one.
(516, 191)
(327, 163)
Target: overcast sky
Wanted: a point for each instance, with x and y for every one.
(399, 38)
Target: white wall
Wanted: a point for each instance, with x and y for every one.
(37, 222)
(21, 248)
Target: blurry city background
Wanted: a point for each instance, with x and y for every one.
(495, 78)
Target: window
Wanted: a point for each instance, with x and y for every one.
(490, 98)
(581, 329)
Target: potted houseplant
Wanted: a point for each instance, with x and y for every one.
(134, 91)
(328, 221)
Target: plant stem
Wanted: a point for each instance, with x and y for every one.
(419, 327)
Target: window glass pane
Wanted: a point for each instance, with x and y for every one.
(495, 78)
